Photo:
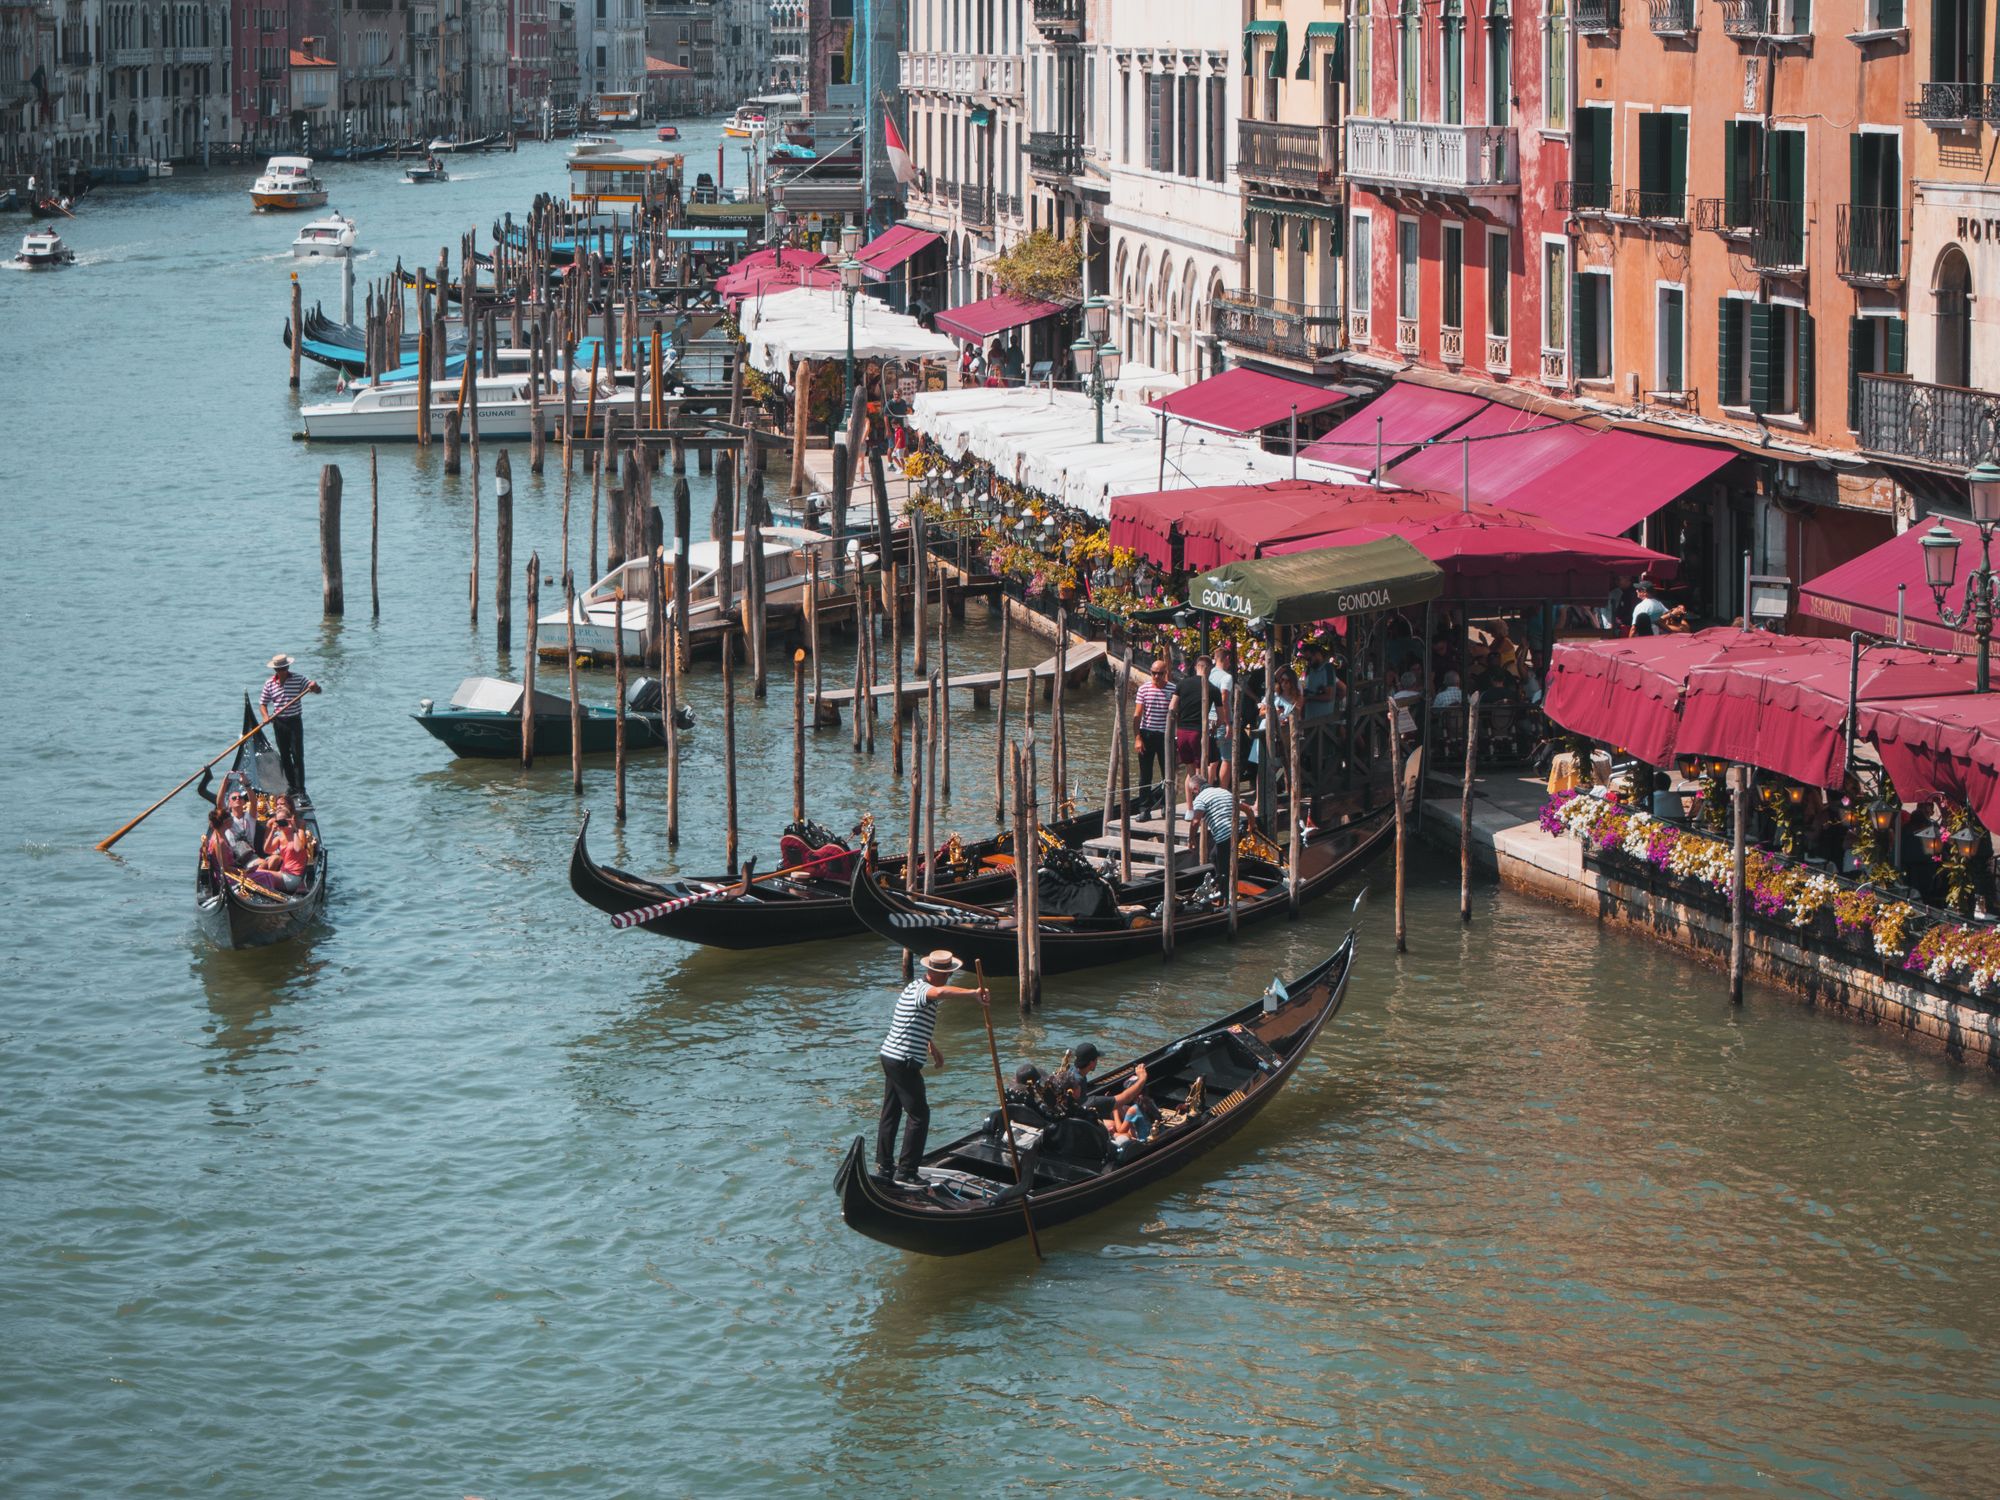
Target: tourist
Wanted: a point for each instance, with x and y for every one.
(240, 821)
(1073, 1079)
(1270, 731)
(905, 1050)
(1502, 651)
(281, 697)
(1187, 711)
(287, 852)
(1616, 616)
(1648, 612)
(218, 849)
(1214, 807)
(1450, 695)
(1676, 621)
(1152, 713)
(1321, 689)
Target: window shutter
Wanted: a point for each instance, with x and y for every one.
(1652, 176)
(1600, 150)
(1860, 361)
(1893, 340)
(1857, 169)
(1728, 353)
(1583, 358)
(1759, 354)
(1676, 370)
(1675, 137)
(1732, 187)
(1889, 14)
(1805, 366)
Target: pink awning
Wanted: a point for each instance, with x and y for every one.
(1861, 595)
(1148, 522)
(1627, 692)
(895, 245)
(1789, 716)
(1241, 400)
(739, 285)
(977, 321)
(772, 255)
(1302, 508)
(1504, 447)
(1613, 484)
(1404, 416)
(1941, 747)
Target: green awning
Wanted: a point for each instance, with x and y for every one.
(981, 117)
(1294, 208)
(1275, 30)
(1327, 582)
(1333, 32)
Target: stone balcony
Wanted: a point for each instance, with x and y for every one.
(1461, 160)
(1306, 331)
(979, 74)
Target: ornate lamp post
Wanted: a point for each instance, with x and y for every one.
(850, 282)
(1096, 357)
(1982, 587)
(781, 220)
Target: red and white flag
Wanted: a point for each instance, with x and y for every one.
(899, 154)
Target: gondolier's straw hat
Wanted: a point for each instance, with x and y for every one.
(942, 961)
(280, 660)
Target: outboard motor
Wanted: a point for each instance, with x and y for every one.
(643, 695)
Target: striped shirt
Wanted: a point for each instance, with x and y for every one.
(909, 1038)
(1216, 806)
(1155, 703)
(287, 693)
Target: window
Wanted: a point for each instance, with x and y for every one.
(1360, 273)
(1732, 343)
(1406, 269)
(1271, 90)
(1218, 127)
(1875, 346)
(1451, 102)
(1670, 340)
(1190, 164)
(1555, 69)
(1956, 44)
(1742, 169)
(1125, 116)
(1451, 261)
(1592, 344)
(1499, 64)
(1872, 242)
(1592, 186)
(1499, 299)
(1663, 165)
(1765, 354)
(1360, 89)
(1885, 15)
(1555, 287)
(1951, 289)
(1154, 93)
(1410, 61)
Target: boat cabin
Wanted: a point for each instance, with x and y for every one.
(607, 181)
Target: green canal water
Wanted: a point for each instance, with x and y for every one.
(471, 1195)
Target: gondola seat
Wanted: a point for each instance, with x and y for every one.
(839, 865)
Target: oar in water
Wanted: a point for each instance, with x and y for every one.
(1006, 1120)
(107, 843)
(741, 887)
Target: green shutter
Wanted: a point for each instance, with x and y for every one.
(1801, 17)
(1889, 14)
(1894, 338)
(1806, 366)
(1600, 147)
(1860, 361)
(1732, 188)
(1785, 165)
(1759, 355)
(1652, 160)
(1676, 370)
(1582, 342)
(1676, 145)
(1728, 352)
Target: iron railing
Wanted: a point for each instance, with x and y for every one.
(1650, 203)
(1672, 17)
(975, 204)
(1870, 241)
(1748, 17)
(1585, 197)
(1722, 215)
(1949, 103)
(1777, 234)
(1054, 152)
(1296, 155)
(1272, 325)
(1008, 204)
(1596, 17)
(1419, 154)
(1055, 15)
(1942, 425)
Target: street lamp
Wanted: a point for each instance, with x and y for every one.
(850, 282)
(1982, 588)
(781, 220)
(1095, 356)
(850, 241)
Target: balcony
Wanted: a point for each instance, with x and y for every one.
(1950, 105)
(1464, 159)
(961, 73)
(1409, 337)
(1672, 17)
(1596, 17)
(1054, 154)
(1659, 207)
(1778, 235)
(1869, 243)
(1059, 20)
(975, 204)
(1302, 156)
(1451, 346)
(1747, 18)
(1555, 367)
(1586, 197)
(1357, 330)
(1499, 356)
(1293, 330)
(1727, 216)
(1944, 426)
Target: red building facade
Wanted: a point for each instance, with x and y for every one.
(262, 37)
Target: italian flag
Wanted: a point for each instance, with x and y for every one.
(899, 154)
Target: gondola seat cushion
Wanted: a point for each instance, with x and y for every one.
(839, 862)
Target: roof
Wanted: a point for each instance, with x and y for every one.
(1323, 584)
(1615, 482)
(1241, 400)
(895, 245)
(1395, 424)
(661, 65)
(1863, 594)
(1941, 747)
(307, 60)
(976, 321)
(1628, 692)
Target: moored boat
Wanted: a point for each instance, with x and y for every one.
(386, 411)
(325, 239)
(1199, 1090)
(483, 720)
(288, 183)
(44, 250)
(235, 912)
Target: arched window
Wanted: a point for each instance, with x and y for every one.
(1555, 67)
(1410, 64)
(1952, 288)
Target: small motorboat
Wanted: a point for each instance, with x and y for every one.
(288, 184)
(325, 239)
(483, 720)
(592, 145)
(428, 171)
(44, 250)
(386, 410)
(669, 132)
(745, 123)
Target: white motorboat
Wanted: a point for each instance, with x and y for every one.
(428, 171)
(327, 238)
(621, 597)
(592, 145)
(387, 412)
(288, 183)
(44, 250)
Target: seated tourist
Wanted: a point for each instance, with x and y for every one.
(1073, 1079)
(240, 822)
(1130, 1123)
(286, 852)
(1451, 695)
(217, 848)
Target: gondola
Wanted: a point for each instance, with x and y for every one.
(1125, 925)
(1206, 1086)
(235, 914)
(772, 913)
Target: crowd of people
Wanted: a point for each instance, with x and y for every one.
(260, 839)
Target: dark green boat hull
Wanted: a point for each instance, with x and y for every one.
(484, 735)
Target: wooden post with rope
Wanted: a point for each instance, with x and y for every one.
(618, 681)
(798, 736)
(1006, 1122)
(575, 708)
(528, 662)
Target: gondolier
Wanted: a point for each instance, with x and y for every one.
(904, 1052)
(281, 696)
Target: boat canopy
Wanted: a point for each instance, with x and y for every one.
(1324, 584)
(497, 695)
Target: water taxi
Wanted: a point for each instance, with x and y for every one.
(325, 239)
(44, 250)
(618, 111)
(288, 183)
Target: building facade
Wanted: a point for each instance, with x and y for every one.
(375, 69)
(611, 47)
(789, 33)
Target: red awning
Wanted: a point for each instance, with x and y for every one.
(1628, 692)
(977, 321)
(1148, 522)
(1225, 523)
(738, 285)
(1256, 533)
(1512, 448)
(773, 255)
(1789, 715)
(1241, 400)
(1406, 417)
(1494, 556)
(1941, 747)
(895, 245)
(1861, 595)
(1616, 482)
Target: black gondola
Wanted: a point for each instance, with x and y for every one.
(801, 909)
(1205, 1086)
(238, 913)
(1126, 927)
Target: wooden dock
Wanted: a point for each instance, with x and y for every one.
(1077, 666)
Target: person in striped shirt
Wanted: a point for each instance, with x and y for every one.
(281, 695)
(905, 1050)
(1153, 714)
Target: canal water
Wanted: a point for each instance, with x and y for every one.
(471, 1195)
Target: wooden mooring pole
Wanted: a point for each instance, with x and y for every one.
(374, 539)
(798, 735)
(618, 686)
(503, 541)
(528, 661)
(728, 753)
(1000, 730)
(1741, 781)
(1402, 824)
(332, 593)
(298, 328)
(575, 707)
(1465, 808)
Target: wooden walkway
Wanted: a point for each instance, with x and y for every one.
(1077, 666)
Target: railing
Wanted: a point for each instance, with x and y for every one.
(1357, 329)
(1408, 337)
(1451, 345)
(1722, 215)
(1945, 425)
(1949, 103)
(1499, 356)
(1748, 18)
(75, 57)
(1055, 15)
(1585, 197)
(1647, 203)
(1298, 155)
(1672, 17)
(1555, 366)
(1777, 234)
(975, 204)
(1464, 157)
(1052, 152)
(1008, 204)
(961, 73)
(1301, 330)
(1596, 17)
(1869, 241)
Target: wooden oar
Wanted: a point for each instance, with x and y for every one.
(1006, 1121)
(107, 843)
